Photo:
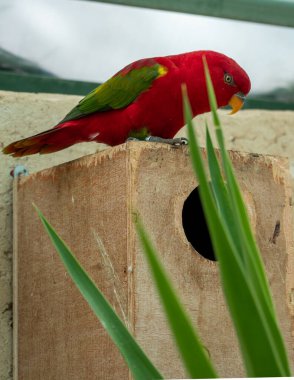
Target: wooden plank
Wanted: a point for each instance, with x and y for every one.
(58, 335)
(163, 182)
(15, 284)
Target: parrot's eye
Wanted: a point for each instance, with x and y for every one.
(228, 79)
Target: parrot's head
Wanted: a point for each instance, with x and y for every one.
(231, 82)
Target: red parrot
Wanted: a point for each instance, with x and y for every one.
(143, 99)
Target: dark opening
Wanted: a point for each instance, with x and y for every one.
(195, 227)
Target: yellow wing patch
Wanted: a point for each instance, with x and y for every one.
(162, 70)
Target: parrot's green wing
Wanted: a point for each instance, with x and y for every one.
(120, 90)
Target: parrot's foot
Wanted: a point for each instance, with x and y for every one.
(18, 171)
(133, 139)
(178, 141)
(175, 142)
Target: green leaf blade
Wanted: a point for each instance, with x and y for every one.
(139, 364)
(249, 249)
(218, 185)
(256, 275)
(192, 352)
(241, 220)
(259, 337)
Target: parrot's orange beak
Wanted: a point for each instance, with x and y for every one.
(236, 102)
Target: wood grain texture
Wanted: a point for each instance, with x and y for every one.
(91, 200)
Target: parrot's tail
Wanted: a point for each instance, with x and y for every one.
(49, 141)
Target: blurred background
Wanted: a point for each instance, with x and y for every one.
(67, 46)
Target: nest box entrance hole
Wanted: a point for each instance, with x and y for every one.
(195, 226)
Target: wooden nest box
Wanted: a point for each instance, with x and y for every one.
(90, 203)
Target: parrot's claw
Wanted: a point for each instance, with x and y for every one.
(178, 141)
(18, 171)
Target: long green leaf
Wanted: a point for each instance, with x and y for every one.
(256, 276)
(220, 192)
(259, 351)
(239, 212)
(140, 366)
(192, 352)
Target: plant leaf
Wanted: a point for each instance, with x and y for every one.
(140, 366)
(192, 352)
(242, 223)
(253, 262)
(220, 192)
(259, 337)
